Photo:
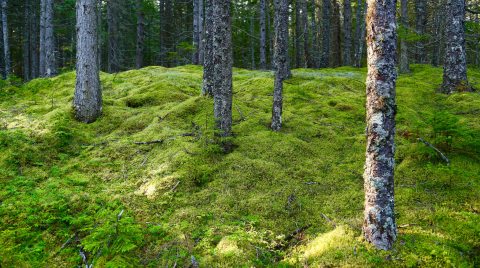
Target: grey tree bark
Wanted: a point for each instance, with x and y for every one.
(113, 31)
(26, 41)
(420, 25)
(360, 32)
(404, 65)
(6, 43)
(201, 32)
(208, 64)
(326, 11)
(223, 64)
(263, 35)
(347, 32)
(300, 34)
(455, 64)
(87, 102)
(47, 42)
(140, 35)
(282, 69)
(335, 40)
(314, 48)
(252, 42)
(379, 225)
(34, 42)
(196, 30)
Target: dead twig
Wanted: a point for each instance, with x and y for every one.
(148, 142)
(436, 150)
(329, 220)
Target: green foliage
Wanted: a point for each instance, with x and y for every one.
(63, 184)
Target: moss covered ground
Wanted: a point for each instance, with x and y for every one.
(288, 199)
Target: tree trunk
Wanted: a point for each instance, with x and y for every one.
(6, 44)
(140, 35)
(34, 52)
(326, 30)
(87, 102)
(113, 31)
(300, 17)
(404, 65)
(26, 41)
(208, 68)
(196, 30)
(455, 65)
(282, 70)
(314, 47)
(47, 42)
(252, 42)
(263, 35)
(360, 39)
(379, 224)
(347, 32)
(223, 63)
(421, 24)
(201, 32)
(336, 39)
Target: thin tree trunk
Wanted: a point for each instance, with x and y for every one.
(208, 64)
(196, 30)
(300, 34)
(140, 35)
(113, 31)
(336, 39)
(379, 225)
(201, 32)
(404, 65)
(360, 32)
(223, 63)
(87, 102)
(455, 65)
(47, 42)
(314, 48)
(161, 8)
(34, 50)
(282, 70)
(26, 41)
(252, 42)
(6, 44)
(421, 23)
(347, 32)
(263, 35)
(326, 32)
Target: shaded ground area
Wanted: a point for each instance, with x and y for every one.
(147, 186)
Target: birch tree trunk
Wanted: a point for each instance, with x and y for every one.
(140, 35)
(347, 32)
(404, 65)
(223, 63)
(379, 225)
(87, 102)
(6, 44)
(263, 35)
(282, 70)
(455, 65)
(208, 64)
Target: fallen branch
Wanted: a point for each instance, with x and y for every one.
(148, 142)
(296, 232)
(329, 220)
(436, 150)
(407, 225)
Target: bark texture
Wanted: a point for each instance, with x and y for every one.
(6, 43)
(208, 66)
(223, 64)
(47, 42)
(455, 65)
(421, 25)
(300, 32)
(87, 102)
(360, 32)
(404, 65)
(347, 32)
(113, 13)
(326, 11)
(263, 35)
(140, 35)
(196, 29)
(379, 225)
(282, 70)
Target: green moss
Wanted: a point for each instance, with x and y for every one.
(63, 184)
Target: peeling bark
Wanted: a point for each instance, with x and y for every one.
(379, 225)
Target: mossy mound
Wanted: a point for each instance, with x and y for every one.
(146, 185)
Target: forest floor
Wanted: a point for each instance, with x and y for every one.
(146, 185)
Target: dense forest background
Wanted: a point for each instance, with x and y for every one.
(136, 33)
